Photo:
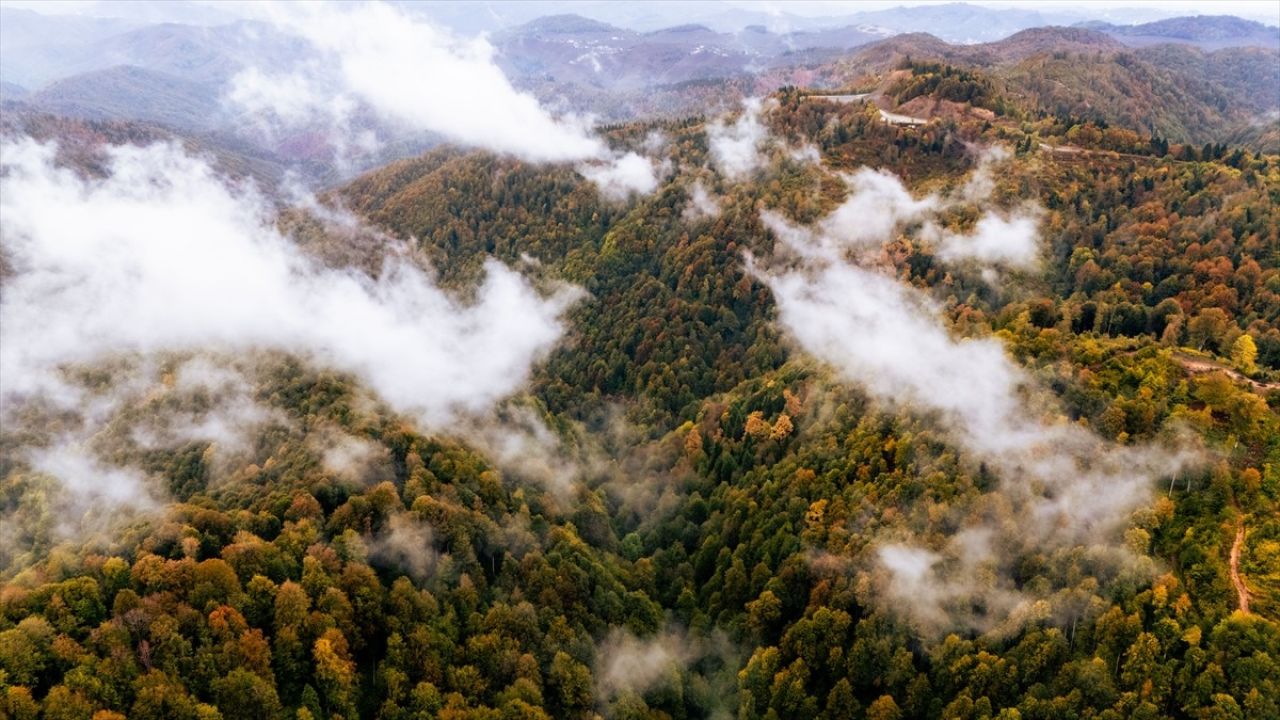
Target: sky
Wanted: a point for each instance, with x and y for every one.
(1262, 9)
(485, 15)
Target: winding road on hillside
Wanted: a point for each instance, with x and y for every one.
(1196, 365)
(1242, 591)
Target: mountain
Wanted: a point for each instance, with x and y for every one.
(1177, 91)
(570, 49)
(958, 22)
(40, 49)
(34, 46)
(11, 91)
(1209, 32)
(740, 522)
(133, 93)
(81, 141)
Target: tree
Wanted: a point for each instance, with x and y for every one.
(884, 708)
(1244, 354)
(242, 694)
(335, 673)
(1207, 329)
(24, 651)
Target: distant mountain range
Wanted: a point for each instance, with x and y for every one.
(1177, 91)
(579, 50)
(1188, 79)
(36, 49)
(954, 22)
(1210, 32)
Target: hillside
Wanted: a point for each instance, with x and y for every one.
(1174, 91)
(728, 536)
(1209, 32)
(367, 369)
(133, 93)
(570, 49)
(82, 141)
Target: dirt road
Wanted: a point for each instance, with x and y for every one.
(1195, 365)
(1242, 591)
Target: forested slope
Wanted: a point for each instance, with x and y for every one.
(713, 554)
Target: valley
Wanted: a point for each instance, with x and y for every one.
(916, 362)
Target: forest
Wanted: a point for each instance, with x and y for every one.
(701, 540)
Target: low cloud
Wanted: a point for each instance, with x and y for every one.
(627, 665)
(982, 182)
(997, 239)
(90, 456)
(354, 459)
(702, 204)
(93, 482)
(879, 207)
(737, 148)
(516, 436)
(161, 256)
(1066, 485)
(408, 544)
(411, 74)
(620, 178)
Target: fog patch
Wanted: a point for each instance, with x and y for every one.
(1065, 485)
(702, 205)
(620, 178)
(997, 239)
(163, 259)
(162, 255)
(982, 181)
(627, 666)
(631, 663)
(406, 543)
(375, 60)
(516, 436)
(91, 482)
(737, 148)
(353, 459)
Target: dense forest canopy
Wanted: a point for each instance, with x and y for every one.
(841, 418)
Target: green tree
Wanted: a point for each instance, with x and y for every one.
(1244, 354)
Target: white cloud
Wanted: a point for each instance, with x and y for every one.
(92, 482)
(631, 663)
(292, 99)
(162, 256)
(414, 73)
(408, 543)
(890, 338)
(702, 204)
(623, 176)
(982, 182)
(877, 205)
(411, 74)
(354, 459)
(1007, 240)
(1067, 485)
(627, 664)
(736, 149)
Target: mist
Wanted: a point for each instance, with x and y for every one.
(702, 205)
(629, 666)
(1065, 485)
(162, 256)
(416, 75)
(736, 149)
